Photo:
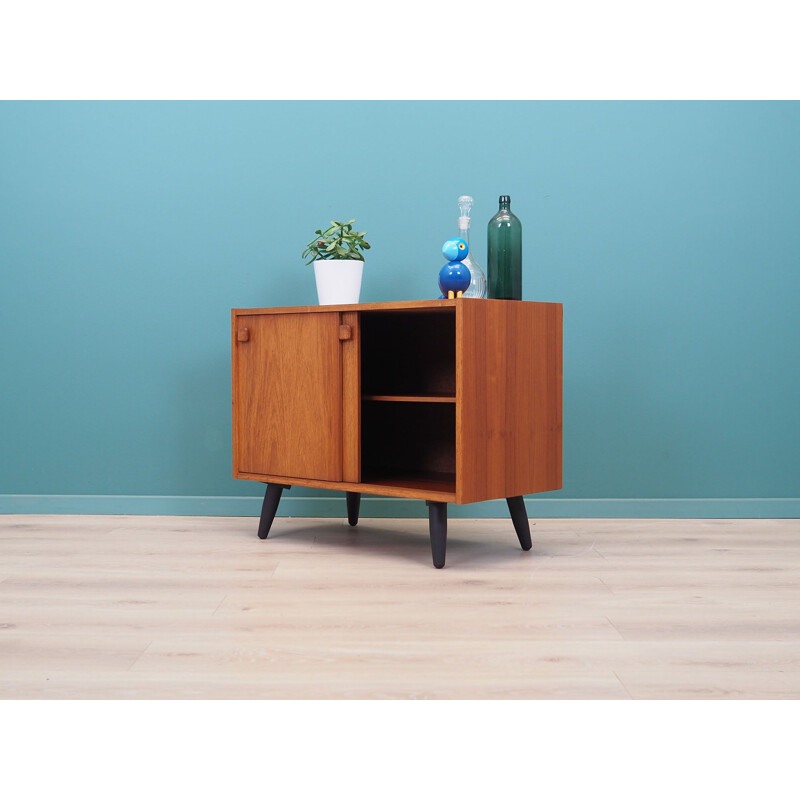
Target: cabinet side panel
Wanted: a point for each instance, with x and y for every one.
(508, 399)
(234, 392)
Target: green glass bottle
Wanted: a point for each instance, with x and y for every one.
(504, 259)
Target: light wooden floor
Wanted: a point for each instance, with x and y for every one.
(199, 607)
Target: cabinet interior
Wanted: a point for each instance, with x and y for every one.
(408, 353)
(408, 385)
(411, 444)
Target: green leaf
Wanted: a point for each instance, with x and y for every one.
(338, 241)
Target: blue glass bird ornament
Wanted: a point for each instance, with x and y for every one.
(454, 277)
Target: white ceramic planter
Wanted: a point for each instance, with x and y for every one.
(338, 281)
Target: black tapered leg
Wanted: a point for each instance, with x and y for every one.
(437, 522)
(353, 504)
(270, 506)
(519, 516)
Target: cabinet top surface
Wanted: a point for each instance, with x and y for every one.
(392, 306)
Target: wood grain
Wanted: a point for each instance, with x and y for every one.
(499, 362)
(401, 305)
(287, 396)
(423, 488)
(508, 399)
(197, 607)
(351, 398)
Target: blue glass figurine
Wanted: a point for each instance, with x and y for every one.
(454, 277)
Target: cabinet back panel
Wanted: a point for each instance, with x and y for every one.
(408, 352)
(404, 440)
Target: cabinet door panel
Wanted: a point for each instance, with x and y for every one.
(288, 395)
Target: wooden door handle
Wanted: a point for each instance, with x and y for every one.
(345, 333)
(243, 335)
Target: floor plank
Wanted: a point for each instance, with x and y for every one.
(199, 607)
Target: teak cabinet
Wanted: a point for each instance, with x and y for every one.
(448, 401)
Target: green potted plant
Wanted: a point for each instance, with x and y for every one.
(338, 262)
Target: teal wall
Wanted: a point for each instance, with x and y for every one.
(670, 231)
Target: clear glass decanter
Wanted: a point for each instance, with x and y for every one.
(477, 286)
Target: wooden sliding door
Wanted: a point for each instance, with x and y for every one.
(287, 395)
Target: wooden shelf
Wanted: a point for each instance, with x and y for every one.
(420, 481)
(410, 398)
(423, 486)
